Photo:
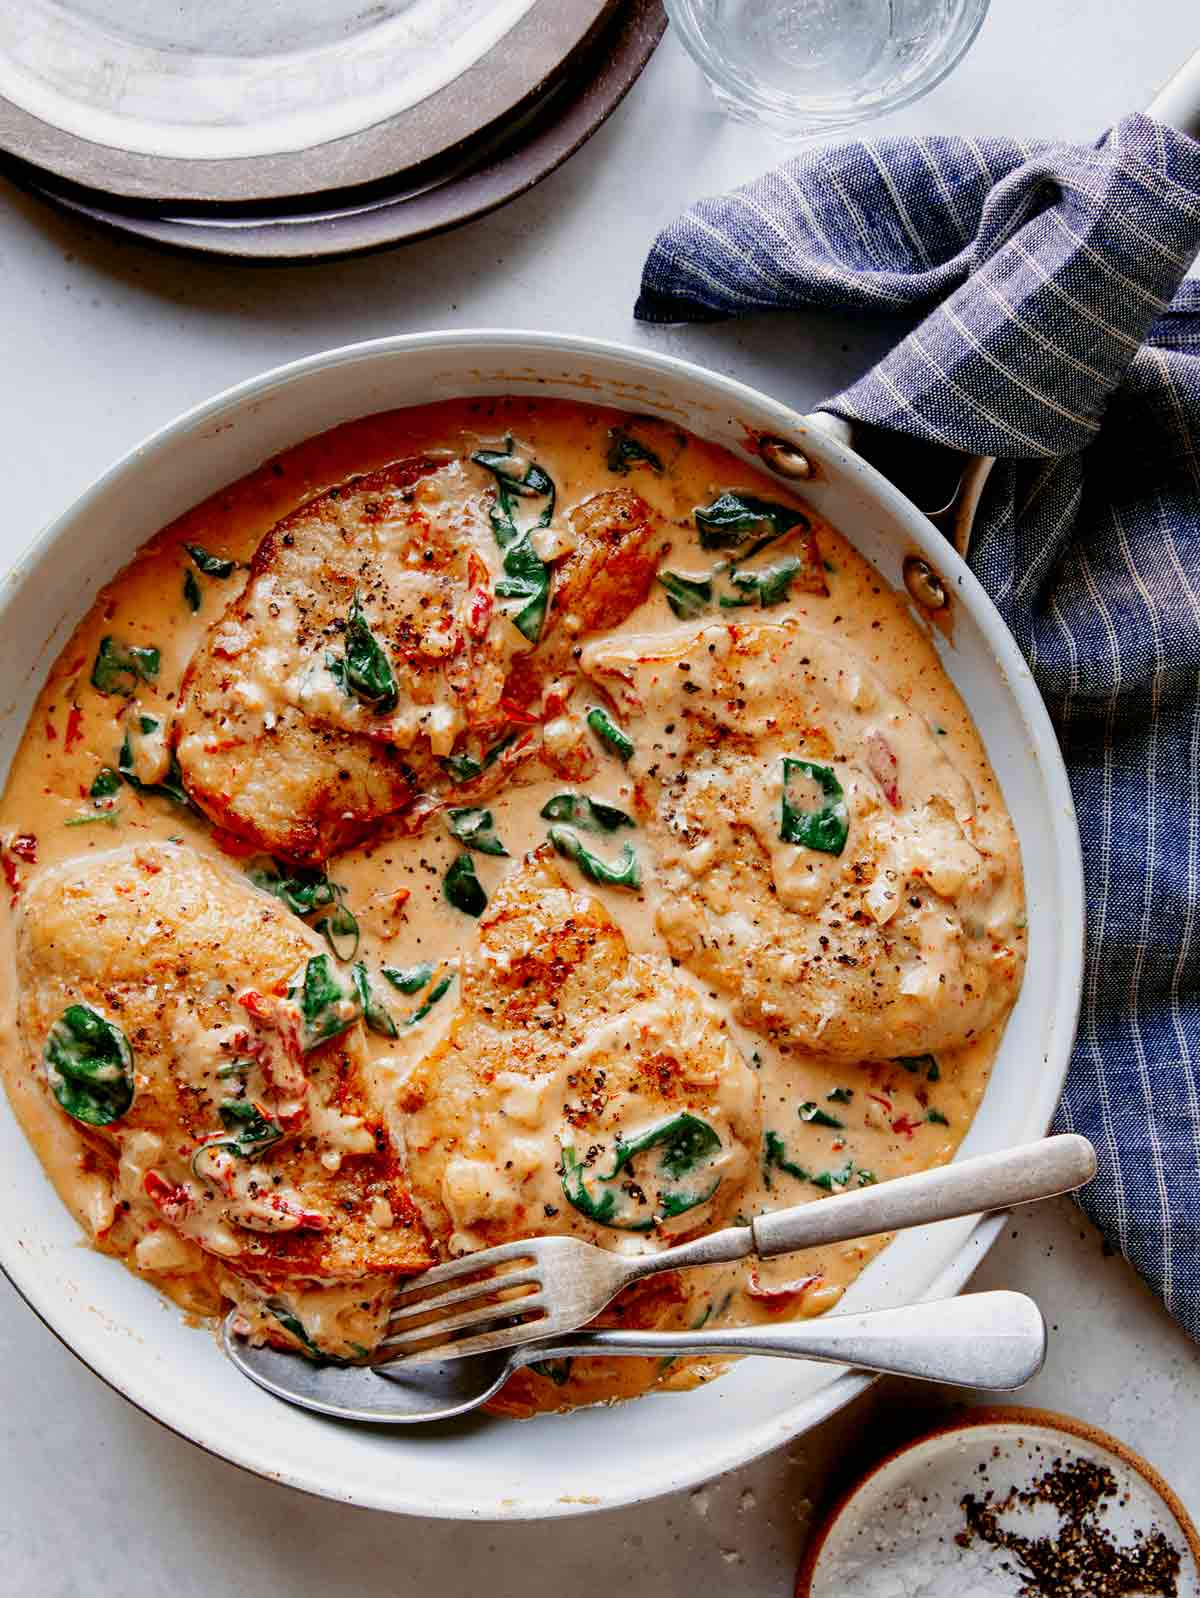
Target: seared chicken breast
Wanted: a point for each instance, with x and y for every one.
(376, 635)
(352, 642)
(617, 542)
(578, 1089)
(819, 860)
(229, 1120)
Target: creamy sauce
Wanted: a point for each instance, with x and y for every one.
(918, 785)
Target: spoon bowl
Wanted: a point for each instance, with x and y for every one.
(391, 1395)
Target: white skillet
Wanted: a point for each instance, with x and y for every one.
(593, 1459)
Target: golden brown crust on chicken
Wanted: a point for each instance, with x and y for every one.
(272, 744)
(902, 941)
(296, 791)
(564, 1039)
(192, 965)
(609, 572)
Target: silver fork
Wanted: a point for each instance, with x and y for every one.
(543, 1287)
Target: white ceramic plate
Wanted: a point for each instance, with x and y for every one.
(592, 1459)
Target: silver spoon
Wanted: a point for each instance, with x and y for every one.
(992, 1341)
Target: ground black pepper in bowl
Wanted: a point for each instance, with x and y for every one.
(1079, 1559)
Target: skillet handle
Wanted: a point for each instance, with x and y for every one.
(912, 466)
(943, 484)
(1177, 103)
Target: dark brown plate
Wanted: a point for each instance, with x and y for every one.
(414, 204)
(508, 81)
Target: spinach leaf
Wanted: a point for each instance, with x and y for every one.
(409, 980)
(328, 1006)
(236, 1068)
(763, 586)
(770, 585)
(840, 1095)
(627, 873)
(171, 787)
(609, 734)
(465, 768)
(107, 818)
(936, 1117)
(474, 828)
(685, 1139)
(89, 1066)
(688, 1145)
(438, 991)
(687, 596)
(589, 815)
(120, 667)
(364, 671)
(921, 1062)
(531, 483)
(625, 451)
(825, 827)
(340, 931)
(733, 520)
(105, 783)
(210, 565)
(526, 575)
(527, 580)
(815, 1116)
(253, 1132)
(191, 591)
(302, 891)
(557, 1371)
(829, 1180)
(376, 1014)
(462, 888)
(775, 1157)
(293, 1324)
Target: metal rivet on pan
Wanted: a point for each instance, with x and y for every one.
(784, 458)
(924, 584)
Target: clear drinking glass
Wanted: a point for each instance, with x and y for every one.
(802, 66)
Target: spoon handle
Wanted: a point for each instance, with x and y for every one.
(994, 1341)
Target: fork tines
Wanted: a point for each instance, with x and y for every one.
(504, 1300)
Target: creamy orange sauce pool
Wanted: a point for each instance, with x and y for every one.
(829, 1013)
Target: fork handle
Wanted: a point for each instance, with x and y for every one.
(968, 1187)
(994, 1340)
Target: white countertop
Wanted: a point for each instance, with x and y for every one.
(102, 342)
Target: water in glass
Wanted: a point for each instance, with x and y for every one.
(803, 65)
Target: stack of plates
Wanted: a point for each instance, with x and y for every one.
(298, 129)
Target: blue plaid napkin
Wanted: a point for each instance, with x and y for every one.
(1065, 342)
